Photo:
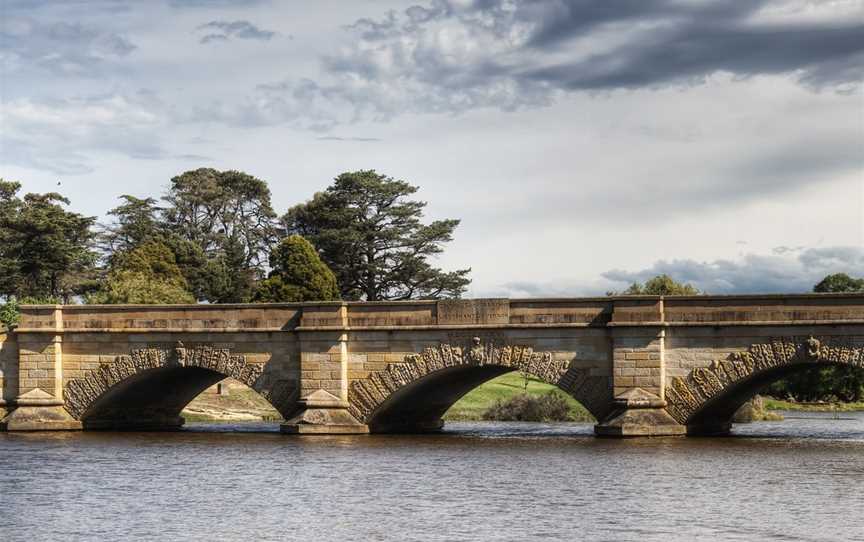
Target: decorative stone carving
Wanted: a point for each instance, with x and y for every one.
(366, 395)
(79, 394)
(685, 396)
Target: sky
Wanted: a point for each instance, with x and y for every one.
(584, 144)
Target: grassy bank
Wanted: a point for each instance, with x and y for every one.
(240, 405)
(472, 406)
(777, 404)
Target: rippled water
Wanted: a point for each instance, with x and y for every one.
(800, 479)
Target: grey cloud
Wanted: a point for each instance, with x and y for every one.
(754, 273)
(60, 48)
(359, 139)
(214, 3)
(452, 57)
(227, 30)
(64, 136)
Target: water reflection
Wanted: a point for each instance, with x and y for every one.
(799, 479)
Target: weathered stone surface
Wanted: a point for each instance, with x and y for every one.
(693, 352)
(81, 393)
(686, 396)
(365, 396)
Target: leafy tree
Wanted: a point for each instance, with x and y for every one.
(371, 235)
(228, 215)
(839, 282)
(213, 208)
(298, 274)
(136, 221)
(45, 250)
(659, 285)
(147, 274)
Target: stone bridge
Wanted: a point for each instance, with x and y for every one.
(641, 365)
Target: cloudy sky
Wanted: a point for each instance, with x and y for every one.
(583, 143)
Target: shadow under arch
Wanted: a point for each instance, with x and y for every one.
(413, 395)
(148, 389)
(708, 397)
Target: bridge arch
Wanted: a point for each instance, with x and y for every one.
(706, 399)
(414, 394)
(148, 388)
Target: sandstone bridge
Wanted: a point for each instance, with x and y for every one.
(640, 365)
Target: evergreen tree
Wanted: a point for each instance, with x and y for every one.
(147, 274)
(45, 250)
(298, 274)
(371, 235)
(659, 285)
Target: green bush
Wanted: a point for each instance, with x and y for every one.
(549, 407)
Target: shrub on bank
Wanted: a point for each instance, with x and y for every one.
(549, 407)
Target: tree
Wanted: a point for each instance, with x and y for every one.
(228, 215)
(839, 282)
(147, 274)
(212, 208)
(659, 285)
(371, 235)
(298, 274)
(136, 221)
(45, 250)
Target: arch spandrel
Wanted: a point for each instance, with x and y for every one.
(688, 396)
(81, 394)
(366, 396)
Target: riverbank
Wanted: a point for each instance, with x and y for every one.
(473, 405)
(777, 404)
(241, 404)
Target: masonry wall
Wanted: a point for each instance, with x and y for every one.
(690, 347)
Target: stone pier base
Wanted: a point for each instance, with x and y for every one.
(640, 414)
(39, 411)
(323, 413)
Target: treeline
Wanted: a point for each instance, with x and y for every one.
(214, 237)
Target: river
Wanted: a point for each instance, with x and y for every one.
(799, 479)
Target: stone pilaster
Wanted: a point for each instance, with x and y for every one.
(323, 405)
(39, 405)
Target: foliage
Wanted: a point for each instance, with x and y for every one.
(218, 224)
(659, 285)
(839, 282)
(10, 313)
(147, 274)
(298, 274)
(136, 221)
(213, 207)
(45, 251)
(371, 235)
(549, 407)
(475, 403)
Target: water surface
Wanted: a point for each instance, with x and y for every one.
(799, 479)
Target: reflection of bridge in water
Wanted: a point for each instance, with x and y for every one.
(641, 365)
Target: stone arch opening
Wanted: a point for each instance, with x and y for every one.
(708, 397)
(413, 395)
(148, 389)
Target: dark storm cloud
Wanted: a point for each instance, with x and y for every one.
(449, 56)
(754, 273)
(227, 30)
